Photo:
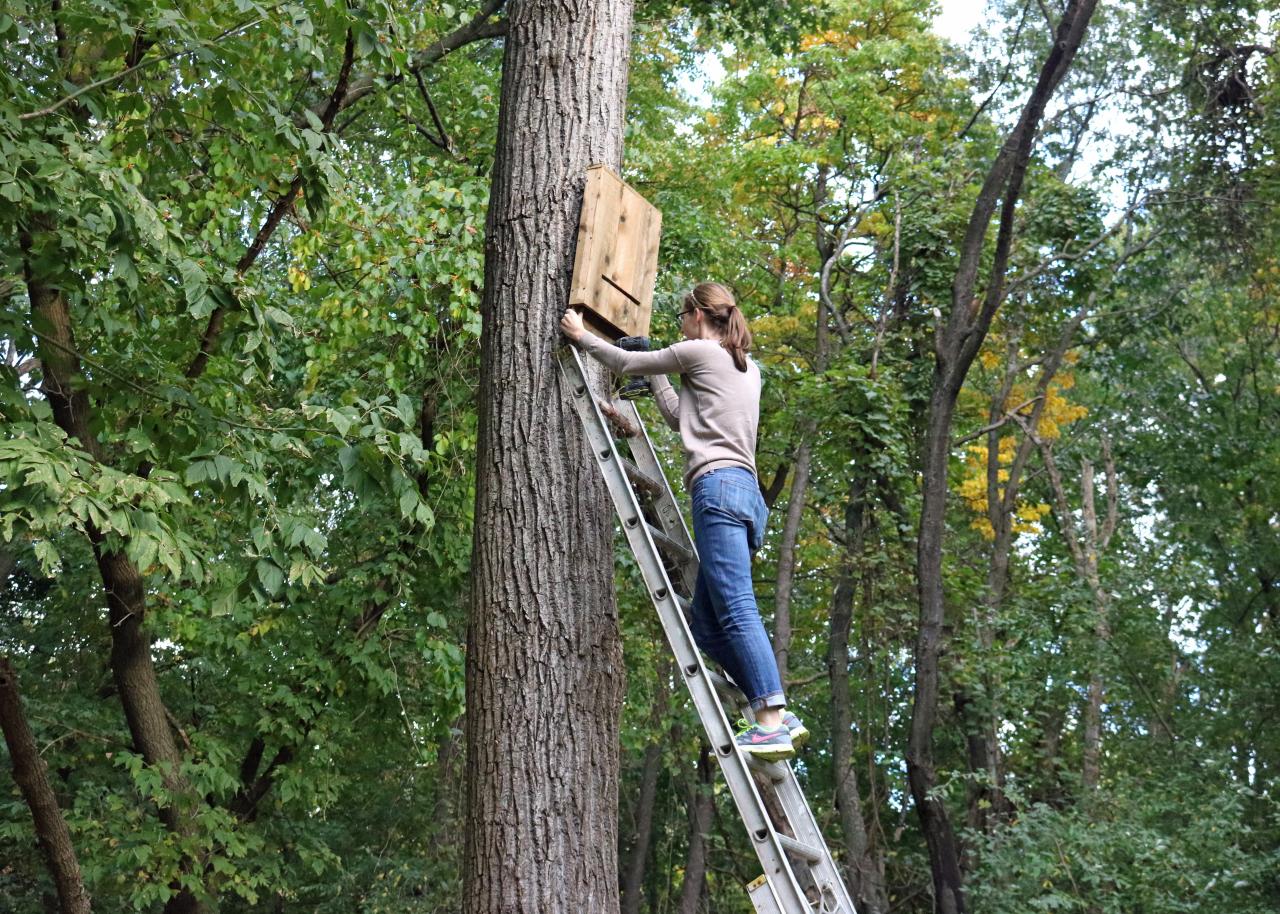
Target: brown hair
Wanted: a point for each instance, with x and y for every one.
(716, 303)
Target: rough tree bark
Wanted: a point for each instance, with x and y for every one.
(955, 346)
(29, 771)
(544, 677)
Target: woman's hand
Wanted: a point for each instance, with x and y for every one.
(571, 325)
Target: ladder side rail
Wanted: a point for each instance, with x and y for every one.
(670, 518)
(782, 880)
(790, 796)
(805, 827)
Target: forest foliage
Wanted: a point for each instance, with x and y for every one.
(241, 262)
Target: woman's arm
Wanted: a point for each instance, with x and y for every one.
(620, 361)
(668, 400)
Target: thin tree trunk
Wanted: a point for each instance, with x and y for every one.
(804, 454)
(956, 345)
(701, 807)
(633, 882)
(787, 555)
(30, 773)
(1086, 548)
(863, 871)
(544, 662)
(944, 855)
(1092, 767)
(131, 663)
(1050, 745)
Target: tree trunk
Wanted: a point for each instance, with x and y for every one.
(986, 791)
(863, 872)
(633, 881)
(944, 855)
(701, 807)
(956, 344)
(544, 671)
(982, 750)
(30, 774)
(1092, 766)
(1086, 548)
(988, 804)
(800, 479)
(122, 581)
(865, 878)
(787, 557)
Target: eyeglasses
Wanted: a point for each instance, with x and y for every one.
(686, 311)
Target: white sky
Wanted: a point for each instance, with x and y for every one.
(958, 18)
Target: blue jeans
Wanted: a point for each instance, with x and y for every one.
(729, 516)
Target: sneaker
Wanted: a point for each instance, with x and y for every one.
(799, 732)
(770, 745)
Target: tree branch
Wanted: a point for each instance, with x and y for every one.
(1113, 498)
(213, 328)
(1007, 417)
(444, 142)
(966, 330)
(1004, 77)
(477, 29)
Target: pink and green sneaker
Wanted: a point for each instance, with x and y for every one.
(799, 732)
(770, 744)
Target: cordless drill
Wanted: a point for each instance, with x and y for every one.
(635, 388)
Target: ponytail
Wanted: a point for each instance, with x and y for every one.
(716, 303)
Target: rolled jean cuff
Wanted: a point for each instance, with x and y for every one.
(772, 700)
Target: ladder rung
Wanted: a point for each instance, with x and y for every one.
(622, 427)
(641, 480)
(804, 851)
(727, 691)
(774, 771)
(671, 547)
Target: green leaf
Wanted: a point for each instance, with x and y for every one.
(270, 575)
(48, 557)
(195, 286)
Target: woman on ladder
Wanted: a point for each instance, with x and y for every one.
(717, 412)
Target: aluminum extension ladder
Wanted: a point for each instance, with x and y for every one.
(799, 875)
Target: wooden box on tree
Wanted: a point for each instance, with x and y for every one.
(616, 264)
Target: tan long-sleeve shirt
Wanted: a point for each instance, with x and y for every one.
(717, 409)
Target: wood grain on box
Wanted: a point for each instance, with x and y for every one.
(616, 264)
